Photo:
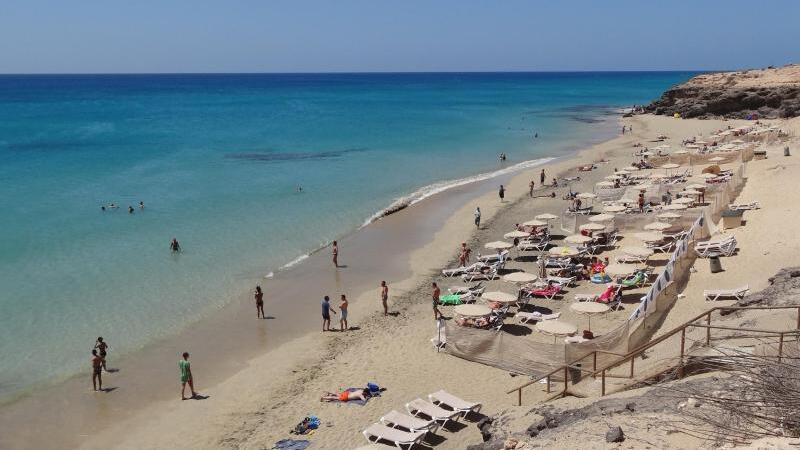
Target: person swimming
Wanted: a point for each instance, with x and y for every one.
(141, 205)
(174, 245)
(130, 209)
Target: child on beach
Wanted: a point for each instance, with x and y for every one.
(102, 350)
(186, 375)
(435, 295)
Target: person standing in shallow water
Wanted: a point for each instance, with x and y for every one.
(477, 217)
(186, 376)
(259, 297)
(502, 193)
(335, 252)
(530, 189)
(174, 245)
(102, 349)
(542, 177)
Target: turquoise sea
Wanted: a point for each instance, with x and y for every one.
(217, 161)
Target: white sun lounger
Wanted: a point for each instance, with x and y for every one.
(744, 206)
(448, 400)
(716, 294)
(377, 432)
(494, 257)
(463, 269)
(420, 406)
(396, 419)
(563, 281)
(725, 247)
(526, 317)
(469, 277)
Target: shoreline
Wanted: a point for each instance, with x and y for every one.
(457, 198)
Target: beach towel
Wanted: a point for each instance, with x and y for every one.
(306, 425)
(291, 444)
(452, 299)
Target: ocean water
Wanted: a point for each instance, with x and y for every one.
(217, 160)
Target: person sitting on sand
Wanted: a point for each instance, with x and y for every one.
(346, 396)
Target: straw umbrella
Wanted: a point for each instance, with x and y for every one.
(589, 309)
(500, 297)
(696, 186)
(601, 218)
(649, 236)
(516, 234)
(519, 277)
(717, 159)
(592, 226)
(546, 217)
(641, 252)
(586, 195)
(577, 239)
(658, 226)
(708, 176)
(622, 270)
(556, 328)
(535, 223)
(669, 216)
(499, 245)
(674, 207)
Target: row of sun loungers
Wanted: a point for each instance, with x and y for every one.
(423, 417)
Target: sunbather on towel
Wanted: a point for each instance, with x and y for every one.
(346, 396)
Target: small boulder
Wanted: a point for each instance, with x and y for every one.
(630, 406)
(615, 434)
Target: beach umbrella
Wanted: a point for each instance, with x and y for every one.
(556, 328)
(691, 192)
(683, 201)
(535, 223)
(670, 166)
(630, 169)
(658, 226)
(499, 245)
(696, 186)
(547, 216)
(621, 270)
(674, 207)
(501, 297)
(592, 226)
(601, 218)
(605, 184)
(563, 251)
(640, 252)
(669, 215)
(708, 176)
(577, 239)
(516, 234)
(614, 208)
(520, 277)
(586, 195)
(737, 141)
(472, 310)
(589, 309)
(649, 236)
(701, 142)
(717, 159)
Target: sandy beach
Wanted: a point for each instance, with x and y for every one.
(255, 403)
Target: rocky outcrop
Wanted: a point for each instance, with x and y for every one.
(768, 94)
(783, 290)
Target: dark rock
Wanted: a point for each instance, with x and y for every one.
(496, 444)
(615, 434)
(532, 430)
(630, 406)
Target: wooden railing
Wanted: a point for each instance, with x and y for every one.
(638, 351)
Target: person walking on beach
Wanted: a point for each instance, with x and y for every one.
(326, 313)
(97, 368)
(477, 217)
(335, 252)
(102, 349)
(435, 296)
(502, 193)
(641, 201)
(175, 246)
(530, 188)
(542, 177)
(259, 296)
(343, 318)
(186, 376)
(463, 257)
(385, 297)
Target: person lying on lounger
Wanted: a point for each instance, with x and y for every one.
(346, 396)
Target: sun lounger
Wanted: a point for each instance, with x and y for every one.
(716, 294)
(461, 290)
(627, 259)
(744, 206)
(724, 247)
(526, 317)
(450, 401)
(538, 246)
(550, 292)
(663, 247)
(560, 263)
(463, 269)
(396, 419)
(419, 407)
(562, 281)
(378, 432)
(493, 257)
(488, 274)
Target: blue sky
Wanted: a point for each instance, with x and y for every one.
(90, 36)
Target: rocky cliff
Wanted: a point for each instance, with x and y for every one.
(767, 93)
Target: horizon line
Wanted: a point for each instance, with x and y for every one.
(366, 72)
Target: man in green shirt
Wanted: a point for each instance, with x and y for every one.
(186, 375)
